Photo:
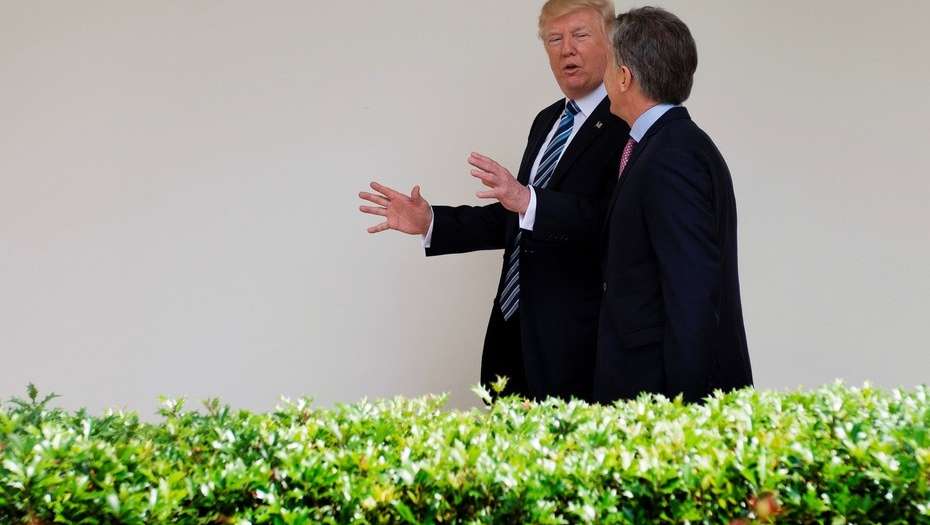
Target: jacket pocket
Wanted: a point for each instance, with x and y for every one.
(643, 336)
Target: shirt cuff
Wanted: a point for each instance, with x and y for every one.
(528, 219)
(428, 236)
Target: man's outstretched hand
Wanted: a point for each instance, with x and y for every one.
(503, 186)
(402, 213)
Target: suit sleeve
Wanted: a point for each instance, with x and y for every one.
(680, 217)
(462, 229)
(571, 218)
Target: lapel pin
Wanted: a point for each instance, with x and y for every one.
(598, 124)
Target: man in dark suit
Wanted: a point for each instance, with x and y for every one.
(543, 326)
(671, 320)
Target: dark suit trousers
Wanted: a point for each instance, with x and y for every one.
(503, 353)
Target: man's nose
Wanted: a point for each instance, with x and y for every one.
(568, 48)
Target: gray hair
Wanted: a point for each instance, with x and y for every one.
(660, 51)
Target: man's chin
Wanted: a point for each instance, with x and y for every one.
(576, 90)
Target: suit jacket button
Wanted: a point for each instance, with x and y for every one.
(605, 286)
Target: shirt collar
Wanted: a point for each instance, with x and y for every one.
(588, 103)
(647, 119)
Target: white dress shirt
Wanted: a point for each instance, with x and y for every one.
(587, 104)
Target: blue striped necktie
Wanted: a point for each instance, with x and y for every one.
(510, 294)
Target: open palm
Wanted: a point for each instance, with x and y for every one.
(408, 214)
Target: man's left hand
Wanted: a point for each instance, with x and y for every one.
(503, 186)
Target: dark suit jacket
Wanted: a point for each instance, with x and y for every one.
(671, 320)
(560, 284)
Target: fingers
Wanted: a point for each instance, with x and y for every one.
(377, 199)
(481, 157)
(484, 163)
(481, 164)
(371, 210)
(384, 190)
(487, 179)
(415, 193)
(379, 228)
(490, 194)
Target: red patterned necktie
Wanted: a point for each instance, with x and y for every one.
(627, 152)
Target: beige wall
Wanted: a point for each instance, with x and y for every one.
(178, 179)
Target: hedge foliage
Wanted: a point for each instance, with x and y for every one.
(837, 455)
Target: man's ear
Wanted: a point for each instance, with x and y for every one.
(626, 78)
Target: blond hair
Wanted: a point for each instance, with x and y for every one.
(556, 8)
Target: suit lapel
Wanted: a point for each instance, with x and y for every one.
(630, 165)
(593, 126)
(538, 134)
(536, 141)
(670, 115)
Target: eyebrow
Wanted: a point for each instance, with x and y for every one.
(570, 31)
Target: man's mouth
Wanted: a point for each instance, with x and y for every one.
(571, 69)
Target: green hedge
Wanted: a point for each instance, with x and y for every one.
(832, 456)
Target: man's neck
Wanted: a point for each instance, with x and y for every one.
(639, 106)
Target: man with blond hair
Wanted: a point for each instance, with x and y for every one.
(547, 220)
